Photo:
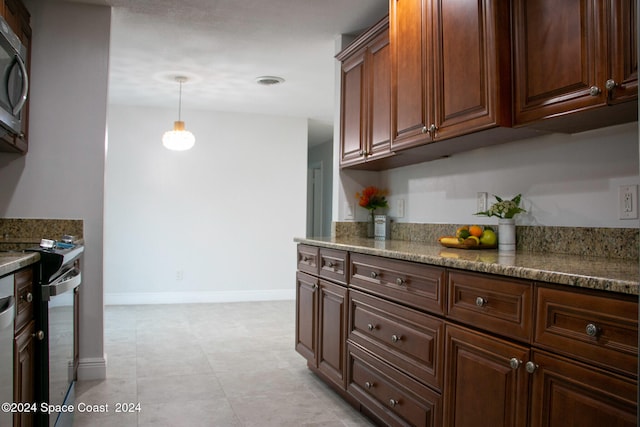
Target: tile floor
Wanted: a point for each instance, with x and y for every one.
(230, 364)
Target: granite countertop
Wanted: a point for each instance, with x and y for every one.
(609, 274)
(13, 261)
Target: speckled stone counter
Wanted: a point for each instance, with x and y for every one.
(14, 261)
(608, 274)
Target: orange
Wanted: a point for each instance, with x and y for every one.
(475, 230)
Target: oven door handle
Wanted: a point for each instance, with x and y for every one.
(66, 282)
(7, 315)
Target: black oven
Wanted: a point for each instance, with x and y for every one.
(57, 326)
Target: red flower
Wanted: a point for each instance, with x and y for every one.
(372, 198)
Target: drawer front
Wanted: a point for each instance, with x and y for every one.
(589, 326)
(23, 281)
(417, 285)
(496, 304)
(333, 265)
(407, 339)
(308, 259)
(392, 396)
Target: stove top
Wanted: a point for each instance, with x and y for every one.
(54, 256)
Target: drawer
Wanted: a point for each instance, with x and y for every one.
(590, 326)
(417, 285)
(308, 259)
(333, 265)
(500, 305)
(408, 339)
(394, 398)
(23, 282)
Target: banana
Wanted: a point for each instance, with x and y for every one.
(449, 240)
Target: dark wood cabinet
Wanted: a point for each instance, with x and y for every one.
(575, 56)
(569, 393)
(365, 97)
(451, 69)
(24, 346)
(433, 346)
(19, 20)
(485, 385)
(321, 315)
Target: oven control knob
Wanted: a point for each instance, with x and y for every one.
(39, 335)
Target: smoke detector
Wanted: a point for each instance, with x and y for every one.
(269, 80)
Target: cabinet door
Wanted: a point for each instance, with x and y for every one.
(624, 50)
(352, 109)
(410, 74)
(24, 367)
(306, 317)
(560, 51)
(482, 389)
(332, 324)
(472, 66)
(566, 393)
(379, 99)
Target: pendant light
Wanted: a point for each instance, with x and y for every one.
(179, 139)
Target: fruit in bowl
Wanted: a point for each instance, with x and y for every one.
(471, 236)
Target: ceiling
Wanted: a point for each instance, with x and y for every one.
(221, 46)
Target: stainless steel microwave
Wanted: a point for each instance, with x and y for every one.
(14, 82)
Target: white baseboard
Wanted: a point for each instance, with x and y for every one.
(92, 368)
(190, 297)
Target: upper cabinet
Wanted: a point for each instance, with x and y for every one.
(366, 97)
(575, 56)
(451, 69)
(18, 18)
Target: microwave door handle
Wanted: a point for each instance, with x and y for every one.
(25, 86)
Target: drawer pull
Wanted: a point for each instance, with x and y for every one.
(330, 264)
(371, 327)
(374, 274)
(314, 287)
(515, 363)
(400, 281)
(368, 384)
(28, 298)
(305, 258)
(396, 338)
(592, 330)
(393, 403)
(481, 302)
(531, 367)
(38, 335)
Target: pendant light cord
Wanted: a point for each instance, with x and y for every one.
(180, 101)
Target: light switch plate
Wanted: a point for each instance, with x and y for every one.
(348, 210)
(400, 208)
(481, 201)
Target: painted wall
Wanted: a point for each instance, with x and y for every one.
(565, 180)
(215, 223)
(62, 175)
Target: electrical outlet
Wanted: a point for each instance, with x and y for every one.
(400, 208)
(179, 275)
(628, 201)
(481, 201)
(348, 210)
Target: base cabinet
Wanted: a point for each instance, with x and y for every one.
(420, 345)
(24, 370)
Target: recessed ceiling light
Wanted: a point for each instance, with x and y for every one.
(269, 80)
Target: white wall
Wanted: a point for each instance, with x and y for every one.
(565, 180)
(222, 215)
(62, 174)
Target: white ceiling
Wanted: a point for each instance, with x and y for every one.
(223, 45)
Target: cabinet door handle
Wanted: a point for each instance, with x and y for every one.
(481, 302)
(515, 363)
(531, 367)
(400, 281)
(432, 130)
(424, 129)
(330, 264)
(374, 275)
(393, 402)
(594, 91)
(38, 335)
(611, 84)
(28, 297)
(592, 330)
(314, 287)
(371, 326)
(396, 338)
(368, 384)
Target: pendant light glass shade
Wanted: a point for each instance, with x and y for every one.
(179, 139)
